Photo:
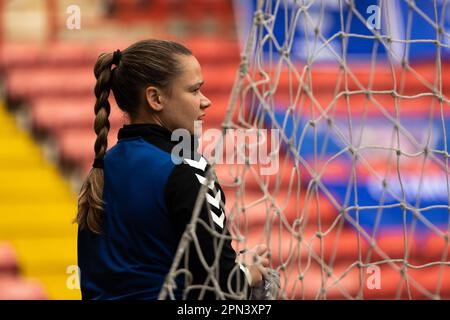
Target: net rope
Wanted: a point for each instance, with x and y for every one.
(287, 210)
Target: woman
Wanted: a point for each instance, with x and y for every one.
(136, 202)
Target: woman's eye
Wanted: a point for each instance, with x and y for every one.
(196, 90)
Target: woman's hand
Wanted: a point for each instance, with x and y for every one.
(256, 261)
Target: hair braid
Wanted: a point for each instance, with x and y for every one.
(90, 200)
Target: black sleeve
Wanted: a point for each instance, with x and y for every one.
(181, 190)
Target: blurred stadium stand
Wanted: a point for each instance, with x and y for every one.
(48, 83)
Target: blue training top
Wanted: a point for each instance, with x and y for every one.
(148, 201)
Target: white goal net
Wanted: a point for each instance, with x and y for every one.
(351, 194)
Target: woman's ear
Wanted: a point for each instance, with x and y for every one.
(153, 97)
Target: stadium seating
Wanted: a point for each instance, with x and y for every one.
(194, 11)
(21, 289)
(22, 55)
(54, 115)
(36, 208)
(12, 285)
(9, 265)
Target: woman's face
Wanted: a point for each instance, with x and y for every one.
(186, 103)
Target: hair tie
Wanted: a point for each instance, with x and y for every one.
(98, 163)
(116, 57)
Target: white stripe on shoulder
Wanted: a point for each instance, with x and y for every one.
(214, 201)
(201, 164)
(218, 220)
(203, 180)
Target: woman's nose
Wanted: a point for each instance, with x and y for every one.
(205, 103)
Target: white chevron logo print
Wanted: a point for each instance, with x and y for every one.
(214, 201)
(201, 164)
(202, 180)
(218, 220)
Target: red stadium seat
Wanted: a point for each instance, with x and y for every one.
(288, 243)
(212, 52)
(304, 281)
(20, 55)
(325, 79)
(9, 265)
(25, 55)
(21, 289)
(77, 145)
(219, 80)
(436, 249)
(258, 208)
(346, 281)
(287, 248)
(391, 246)
(57, 114)
(360, 103)
(435, 279)
(49, 81)
(129, 11)
(422, 283)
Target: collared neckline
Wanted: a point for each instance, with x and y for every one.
(143, 130)
(156, 135)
